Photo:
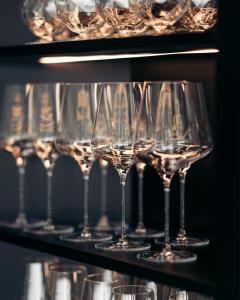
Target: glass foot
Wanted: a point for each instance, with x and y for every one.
(145, 233)
(168, 256)
(22, 224)
(86, 237)
(123, 246)
(189, 242)
(50, 230)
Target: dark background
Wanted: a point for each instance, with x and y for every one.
(201, 200)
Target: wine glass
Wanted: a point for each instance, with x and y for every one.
(113, 139)
(79, 104)
(124, 17)
(143, 136)
(200, 16)
(132, 292)
(159, 15)
(83, 18)
(42, 19)
(182, 136)
(182, 239)
(177, 294)
(98, 286)
(17, 138)
(45, 100)
(66, 281)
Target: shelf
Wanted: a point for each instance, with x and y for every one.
(197, 277)
(145, 44)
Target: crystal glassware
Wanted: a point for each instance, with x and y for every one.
(184, 295)
(66, 281)
(98, 286)
(158, 16)
(43, 21)
(46, 104)
(182, 136)
(200, 16)
(113, 139)
(18, 139)
(78, 111)
(124, 17)
(132, 292)
(83, 18)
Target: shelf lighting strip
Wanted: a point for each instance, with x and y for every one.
(70, 59)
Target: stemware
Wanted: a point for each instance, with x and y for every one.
(17, 138)
(182, 136)
(46, 102)
(98, 286)
(184, 295)
(143, 141)
(42, 19)
(83, 18)
(79, 104)
(66, 281)
(200, 16)
(124, 17)
(159, 15)
(113, 139)
(132, 292)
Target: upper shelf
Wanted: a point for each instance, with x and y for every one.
(171, 43)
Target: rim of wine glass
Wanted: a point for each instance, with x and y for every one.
(147, 289)
(67, 268)
(88, 278)
(172, 81)
(40, 259)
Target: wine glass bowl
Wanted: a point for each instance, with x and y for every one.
(43, 21)
(200, 16)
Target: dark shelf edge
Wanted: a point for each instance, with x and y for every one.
(55, 247)
(151, 44)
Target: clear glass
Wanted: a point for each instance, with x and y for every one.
(141, 231)
(66, 281)
(43, 21)
(184, 295)
(132, 292)
(45, 101)
(158, 16)
(84, 18)
(182, 239)
(79, 104)
(113, 139)
(36, 277)
(17, 138)
(200, 16)
(182, 136)
(98, 286)
(123, 16)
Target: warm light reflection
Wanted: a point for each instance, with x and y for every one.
(69, 59)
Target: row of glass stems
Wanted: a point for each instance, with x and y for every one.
(163, 124)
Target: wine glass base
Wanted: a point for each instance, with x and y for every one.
(130, 246)
(170, 256)
(145, 234)
(50, 230)
(27, 224)
(93, 237)
(190, 242)
(111, 227)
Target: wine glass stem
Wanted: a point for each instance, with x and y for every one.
(21, 209)
(167, 213)
(182, 201)
(140, 198)
(49, 197)
(104, 191)
(123, 205)
(85, 203)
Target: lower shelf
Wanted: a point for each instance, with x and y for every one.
(198, 277)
